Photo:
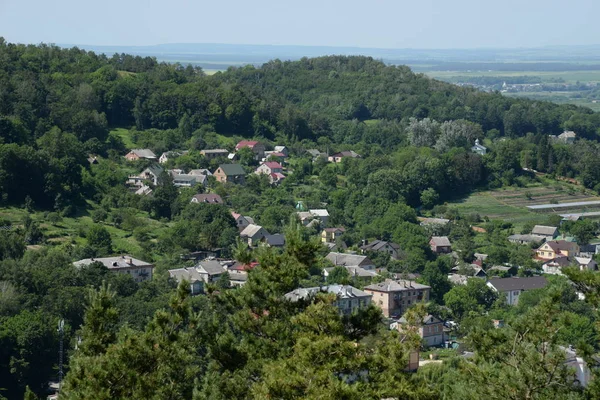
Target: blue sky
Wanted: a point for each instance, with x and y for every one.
(374, 23)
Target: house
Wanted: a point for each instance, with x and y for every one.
(138, 269)
(395, 297)
(253, 234)
(589, 250)
(164, 157)
(232, 173)
(567, 137)
(549, 232)
(321, 214)
(137, 154)
(92, 160)
(191, 275)
(275, 156)
(276, 240)
(316, 154)
(210, 270)
(440, 244)
(552, 249)
(514, 286)
(586, 263)
(184, 180)
(256, 147)
(237, 279)
(526, 239)
(338, 157)
(382, 246)
(240, 221)
(356, 260)
(209, 198)
(479, 148)
(283, 150)
(269, 167)
(214, 153)
(200, 172)
(555, 266)
(308, 219)
(331, 235)
(151, 174)
(276, 178)
(431, 330)
(348, 299)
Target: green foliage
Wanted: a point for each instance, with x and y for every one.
(99, 240)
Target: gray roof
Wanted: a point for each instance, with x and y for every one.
(211, 267)
(214, 151)
(238, 276)
(344, 259)
(527, 238)
(526, 283)
(342, 291)
(200, 172)
(144, 153)
(567, 134)
(114, 262)
(189, 274)
(441, 240)
(155, 170)
(377, 245)
(275, 240)
(544, 230)
(232, 169)
(211, 198)
(394, 286)
(427, 320)
(251, 231)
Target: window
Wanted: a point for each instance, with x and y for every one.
(380, 302)
(409, 302)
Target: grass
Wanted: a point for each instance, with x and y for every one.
(125, 136)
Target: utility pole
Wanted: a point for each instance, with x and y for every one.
(61, 334)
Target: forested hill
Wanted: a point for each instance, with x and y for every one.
(84, 93)
(57, 106)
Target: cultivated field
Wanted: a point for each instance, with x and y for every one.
(510, 204)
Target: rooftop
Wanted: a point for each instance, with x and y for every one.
(211, 267)
(144, 153)
(544, 230)
(342, 291)
(440, 240)
(207, 198)
(515, 283)
(114, 262)
(394, 286)
(250, 230)
(344, 259)
(232, 169)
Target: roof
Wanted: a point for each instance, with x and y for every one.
(394, 286)
(279, 148)
(199, 172)
(377, 245)
(114, 262)
(155, 170)
(559, 245)
(246, 143)
(427, 320)
(207, 198)
(342, 291)
(319, 212)
(347, 153)
(242, 267)
(214, 151)
(189, 274)
(567, 134)
(503, 268)
(278, 176)
(334, 229)
(235, 215)
(514, 283)
(232, 169)
(344, 259)
(272, 164)
(238, 276)
(544, 230)
(314, 152)
(361, 272)
(584, 260)
(143, 153)
(560, 261)
(527, 238)
(249, 219)
(275, 240)
(433, 221)
(251, 230)
(211, 267)
(440, 241)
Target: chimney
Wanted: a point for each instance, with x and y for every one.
(130, 261)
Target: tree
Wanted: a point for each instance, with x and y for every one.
(99, 240)
(165, 195)
(435, 275)
(423, 133)
(338, 275)
(584, 230)
(475, 296)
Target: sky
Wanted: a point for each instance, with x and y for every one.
(420, 24)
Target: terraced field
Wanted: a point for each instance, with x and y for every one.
(510, 204)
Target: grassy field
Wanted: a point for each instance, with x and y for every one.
(124, 135)
(510, 204)
(559, 97)
(69, 230)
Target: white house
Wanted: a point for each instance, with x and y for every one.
(479, 148)
(513, 287)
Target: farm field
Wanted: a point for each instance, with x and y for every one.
(546, 76)
(510, 204)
